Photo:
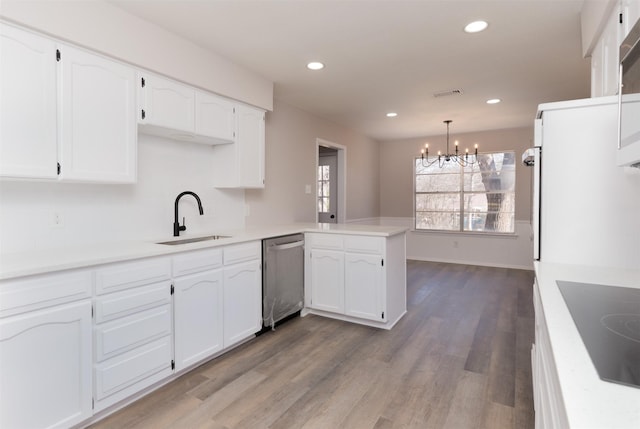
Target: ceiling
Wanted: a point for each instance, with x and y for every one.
(393, 55)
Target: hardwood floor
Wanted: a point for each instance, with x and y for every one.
(460, 358)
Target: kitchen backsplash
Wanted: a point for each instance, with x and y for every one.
(41, 215)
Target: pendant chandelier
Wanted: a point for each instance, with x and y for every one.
(442, 159)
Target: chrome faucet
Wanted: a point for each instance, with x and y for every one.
(176, 224)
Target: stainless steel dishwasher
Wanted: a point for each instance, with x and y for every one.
(282, 278)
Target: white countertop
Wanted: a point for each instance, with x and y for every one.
(43, 261)
(589, 401)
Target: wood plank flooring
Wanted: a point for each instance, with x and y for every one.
(460, 358)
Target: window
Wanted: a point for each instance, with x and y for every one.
(323, 188)
(479, 197)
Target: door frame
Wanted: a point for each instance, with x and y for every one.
(342, 178)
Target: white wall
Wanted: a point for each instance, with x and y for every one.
(506, 251)
(291, 136)
(107, 213)
(396, 202)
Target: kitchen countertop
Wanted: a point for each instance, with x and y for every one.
(44, 261)
(589, 401)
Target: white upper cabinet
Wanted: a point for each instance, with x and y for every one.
(27, 105)
(171, 109)
(166, 104)
(241, 165)
(98, 136)
(65, 113)
(250, 141)
(215, 117)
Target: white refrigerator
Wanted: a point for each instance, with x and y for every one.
(586, 209)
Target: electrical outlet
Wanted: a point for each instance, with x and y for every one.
(455, 244)
(307, 189)
(56, 220)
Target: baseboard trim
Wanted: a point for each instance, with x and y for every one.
(467, 262)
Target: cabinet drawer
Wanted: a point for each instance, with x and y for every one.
(131, 274)
(124, 334)
(325, 241)
(194, 262)
(242, 252)
(363, 244)
(131, 372)
(122, 304)
(33, 292)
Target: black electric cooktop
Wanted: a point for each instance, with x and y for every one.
(608, 319)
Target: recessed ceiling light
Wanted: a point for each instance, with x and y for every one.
(493, 101)
(476, 26)
(315, 65)
(392, 115)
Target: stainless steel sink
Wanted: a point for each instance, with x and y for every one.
(194, 239)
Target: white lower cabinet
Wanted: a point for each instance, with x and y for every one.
(357, 278)
(217, 300)
(45, 367)
(133, 329)
(346, 282)
(548, 403)
(74, 343)
(242, 301)
(198, 317)
(45, 350)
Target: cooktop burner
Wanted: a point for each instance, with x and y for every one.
(608, 320)
(625, 325)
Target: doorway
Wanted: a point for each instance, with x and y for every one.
(330, 182)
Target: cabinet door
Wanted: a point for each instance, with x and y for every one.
(98, 126)
(166, 104)
(363, 286)
(215, 117)
(198, 317)
(45, 367)
(28, 105)
(250, 147)
(242, 301)
(327, 280)
(241, 164)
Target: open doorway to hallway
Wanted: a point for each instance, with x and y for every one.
(330, 182)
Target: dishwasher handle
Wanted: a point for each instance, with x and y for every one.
(286, 246)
